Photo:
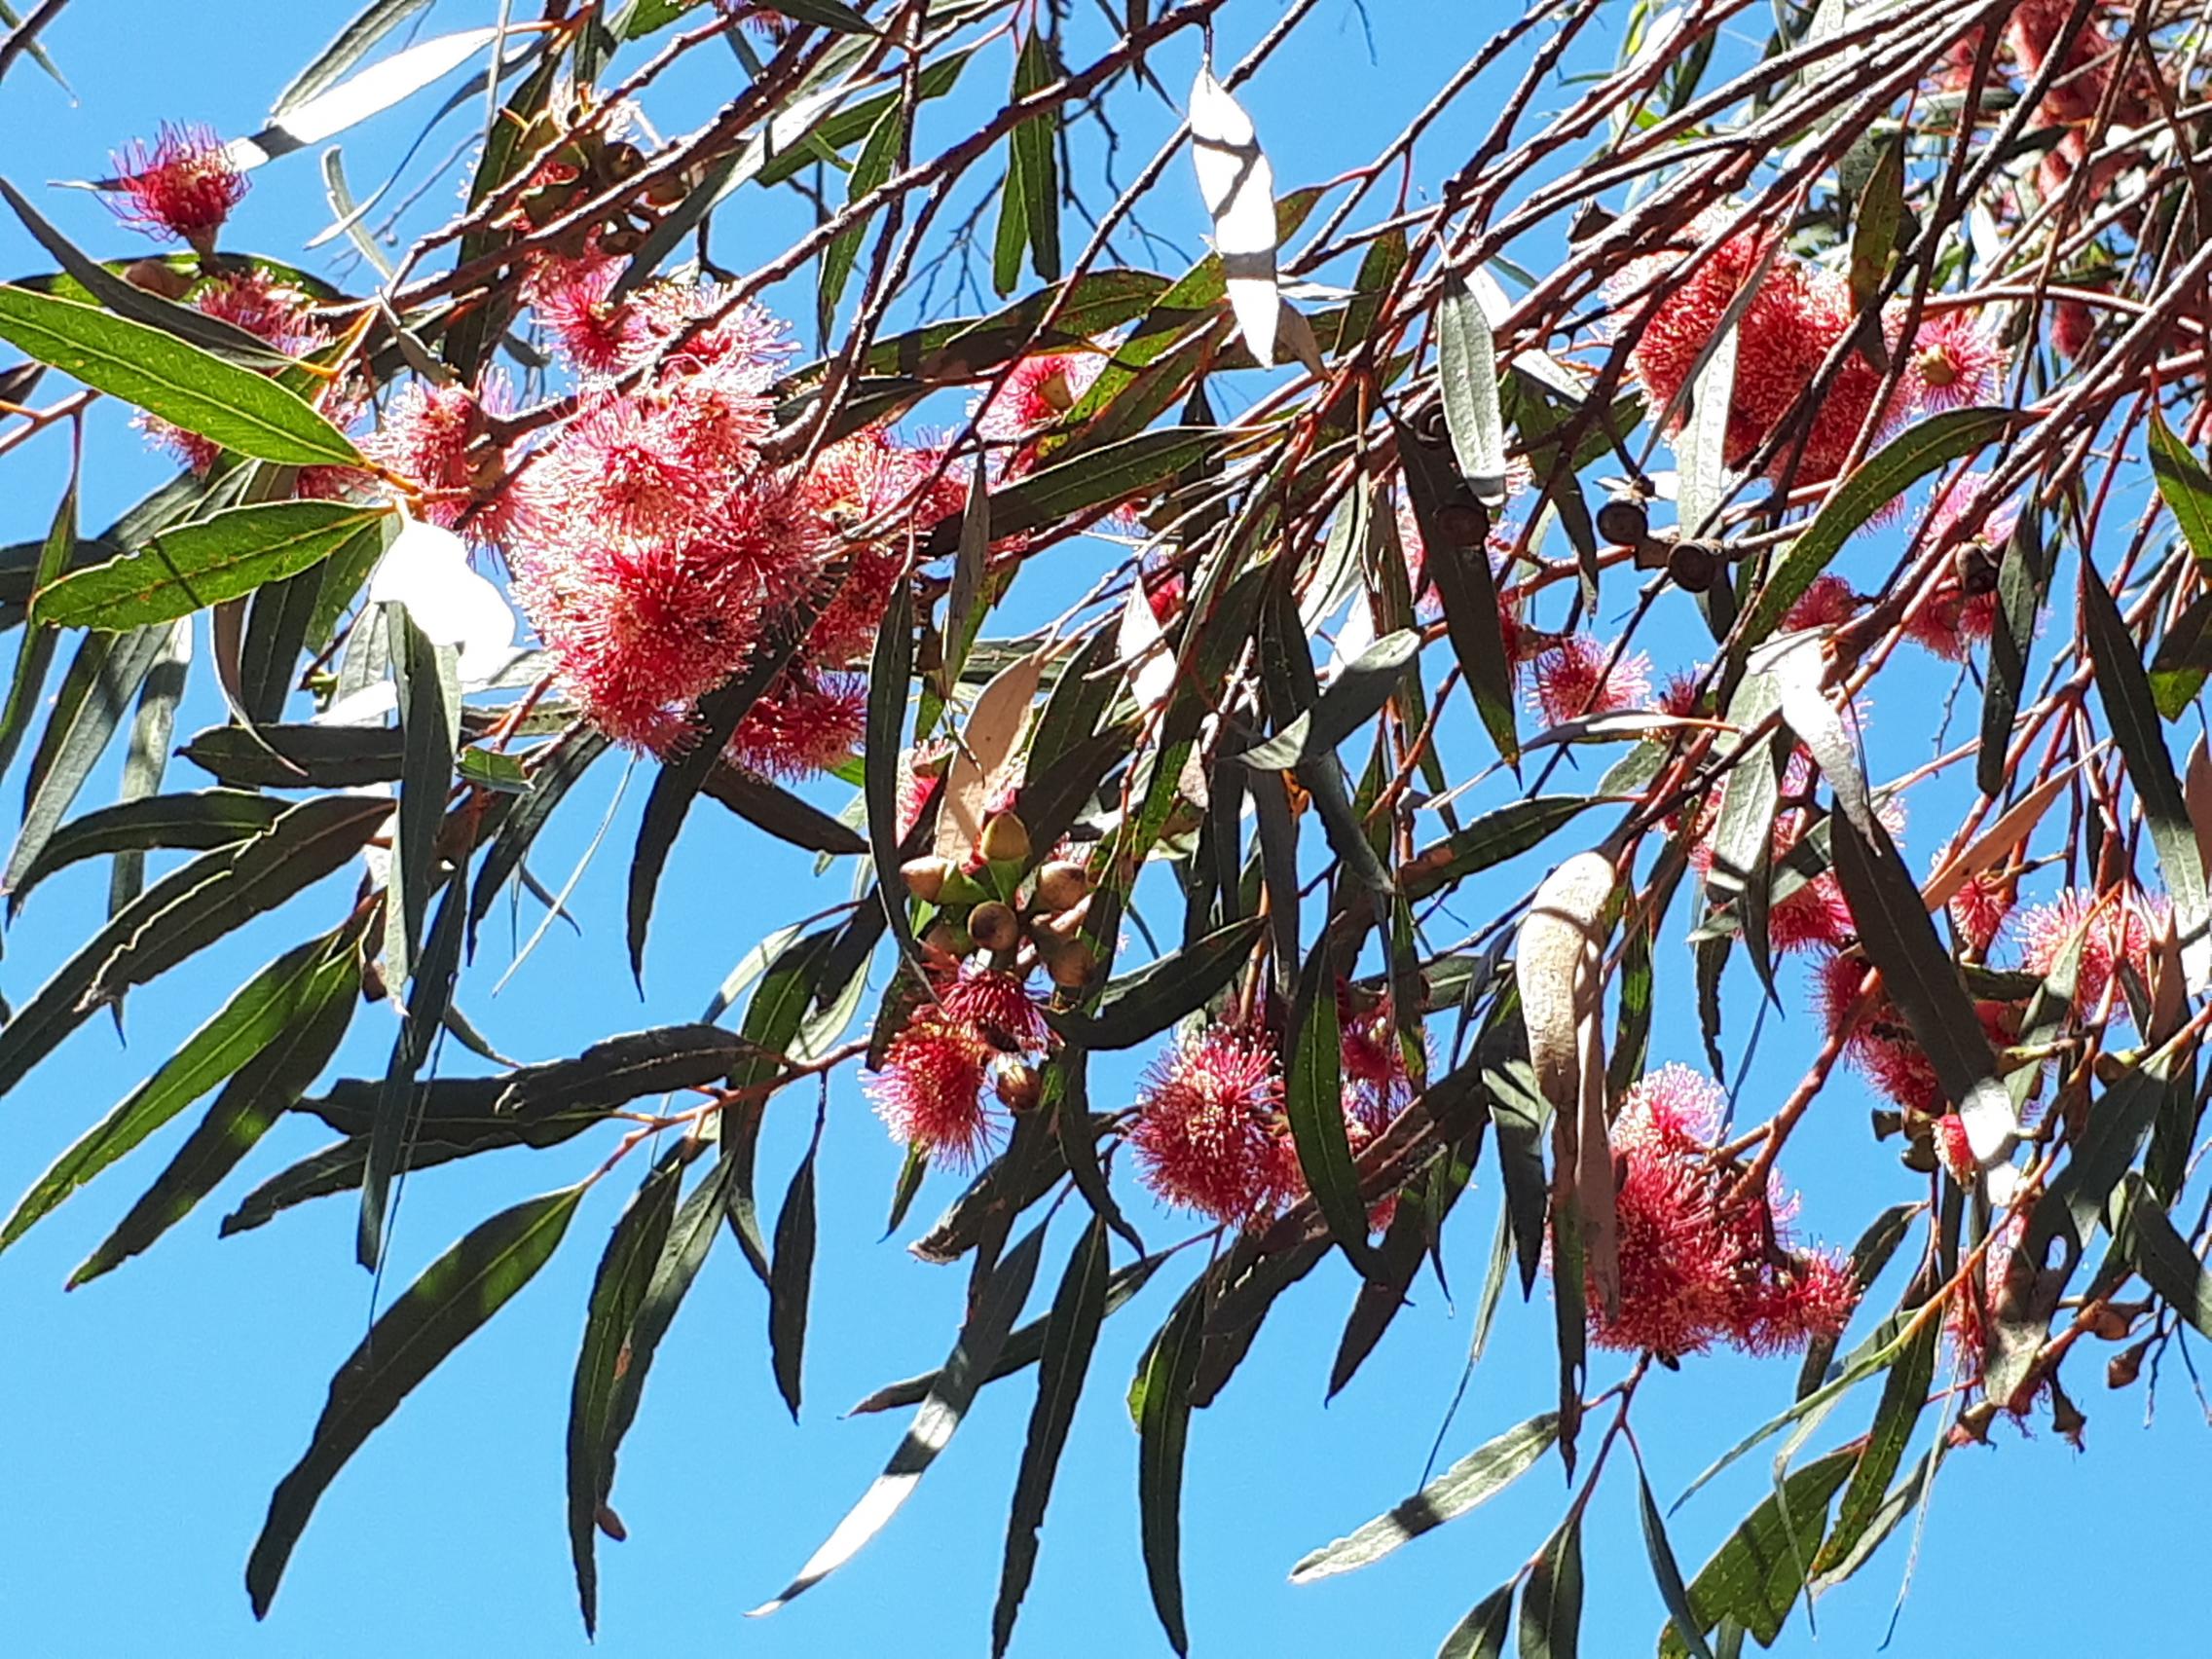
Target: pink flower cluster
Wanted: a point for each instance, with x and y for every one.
(933, 1091)
(1699, 1265)
(1210, 1134)
(1799, 314)
(181, 186)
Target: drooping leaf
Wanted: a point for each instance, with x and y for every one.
(1756, 1575)
(261, 1090)
(1470, 593)
(240, 410)
(2184, 484)
(287, 990)
(619, 1069)
(197, 820)
(2125, 692)
(870, 171)
(617, 1290)
(1919, 450)
(1351, 700)
(2023, 584)
(1473, 1480)
(1237, 186)
(1070, 1334)
(102, 676)
(427, 679)
(553, 771)
(1481, 1634)
(982, 1338)
(1874, 224)
(1130, 468)
(429, 995)
(2146, 1240)
(790, 1277)
(36, 652)
(1314, 1104)
(456, 1295)
(1551, 1602)
(1160, 1402)
(1467, 377)
(355, 42)
(1141, 1004)
(1669, 1573)
(1904, 1394)
(1501, 833)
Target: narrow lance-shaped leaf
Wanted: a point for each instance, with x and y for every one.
(146, 753)
(1756, 1574)
(286, 990)
(242, 411)
(1904, 1394)
(1350, 701)
(428, 682)
(429, 993)
(1314, 1105)
(871, 169)
(1467, 374)
(1071, 1333)
(1160, 1397)
(98, 685)
(990, 1320)
(1885, 474)
(1464, 583)
(619, 1069)
(1668, 1571)
(1481, 1634)
(1139, 1005)
(2147, 1240)
(2023, 583)
(790, 1277)
(617, 1289)
(456, 1294)
(1551, 1602)
(2126, 693)
(1238, 187)
(1473, 1480)
(258, 1094)
(2184, 484)
(36, 652)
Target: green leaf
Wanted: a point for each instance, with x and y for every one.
(1904, 1394)
(355, 42)
(990, 1318)
(284, 991)
(1481, 1634)
(1140, 1005)
(1033, 161)
(1667, 1572)
(790, 1276)
(308, 842)
(103, 676)
(617, 1290)
(36, 652)
(1111, 474)
(1874, 224)
(618, 1070)
(553, 771)
(678, 783)
(261, 1090)
(2126, 693)
(2182, 660)
(2185, 486)
(1481, 1475)
(1314, 1104)
(2146, 1240)
(1504, 832)
(456, 1294)
(1551, 1602)
(1467, 376)
(243, 412)
(1399, 1258)
(879, 154)
(1517, 1111)
(1070, 1334)
(1756, 1575)
(146, 752)
(780, 813)
(2023, 584)
(1464, 582)
(828, 14)
(1887, 473)
(198, 819)
(890, 677)
(1355, 697)
(223, 557)
(427, 679)
(1023, 1349)
(297, 756)
(429, 993)
(1160, 1397)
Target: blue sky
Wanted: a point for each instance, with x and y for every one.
(147, 1416)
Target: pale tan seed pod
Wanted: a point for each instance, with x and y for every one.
(1061, 886)
(1559, 961)
(159, 276)
(1069, 962)
(994, 926)
(1019, 1087)
(948, 939)
(1005, 839)
(924, 877)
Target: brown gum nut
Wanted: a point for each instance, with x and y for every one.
(924, 877)
(1005, 839)
(1019, 1087)
(993, 926)
(1624, 521)
(1069, 962)
(159, 276)
(1692, 564)
(1061, 886)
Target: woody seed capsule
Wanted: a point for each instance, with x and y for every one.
(924, 877)
(994, 926)
(1061, 886)
(1624, 521)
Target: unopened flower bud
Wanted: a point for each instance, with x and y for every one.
(994, 926)
(924, 877)
(621, 240)
(667, 191)
(1005, 839)
(1069, 962)
(2109, 1324)
(946, 938)
(2126, 1365)
(1624, 521)
(1061, 885)
(1019, 1087)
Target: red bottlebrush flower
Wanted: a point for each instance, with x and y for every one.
(1960, 501)
(435, 437)
(1814, 915)
(1953, 1150)
(268, 309)
(183, 185)
(1826, 603)
(2119, 929)
(1571, 679)
(1376, 1086)
(1205, 1136)
(930, 1090)
(1796, 317)
(1954, 362)
(996, 1005)
(806, 722)
(1883, 1046)
(2073, 329)
(1979, 908)
(596, 336)
(917, 786)
(1698, 1265)
(1038, 390)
